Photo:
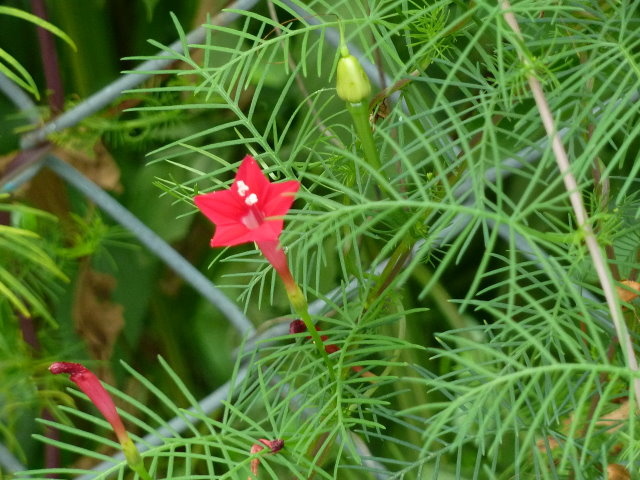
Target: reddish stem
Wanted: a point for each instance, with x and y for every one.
(51, 452)
(50, 62)
(275, 255)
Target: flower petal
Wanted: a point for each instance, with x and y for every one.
(269, 230)
(221, 206)
(228, 235)
(280, 198)
(250, 173)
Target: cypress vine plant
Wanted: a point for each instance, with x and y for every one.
(464, 242)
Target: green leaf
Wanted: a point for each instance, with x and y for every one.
(22, 77)
(15, 12)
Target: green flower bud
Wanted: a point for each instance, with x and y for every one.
(352, 82)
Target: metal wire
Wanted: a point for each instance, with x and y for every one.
(153, 242)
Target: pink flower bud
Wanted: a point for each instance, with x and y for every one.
(92, 388)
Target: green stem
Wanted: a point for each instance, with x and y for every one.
(360, 116)
(134, 460)
(390, 271)
(300, 306)
(274, 253)
(442, 300)
(141, 471)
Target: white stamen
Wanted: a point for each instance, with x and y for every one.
(252, 199)
(243, 188)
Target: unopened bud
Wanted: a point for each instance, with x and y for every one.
(297, 326)
(352, 82)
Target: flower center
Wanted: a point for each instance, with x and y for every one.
(243, 188)
(254, 217)
(251, 200)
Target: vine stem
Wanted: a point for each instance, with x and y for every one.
(141, 471)
(132, 455)
(360, 116)
(580, 212)
(273, 252)
(395, 263)
(299, 303)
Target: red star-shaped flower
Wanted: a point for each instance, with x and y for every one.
(251, 210)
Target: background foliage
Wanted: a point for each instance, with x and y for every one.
(455, 273)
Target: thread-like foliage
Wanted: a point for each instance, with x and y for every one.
(468, 202)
